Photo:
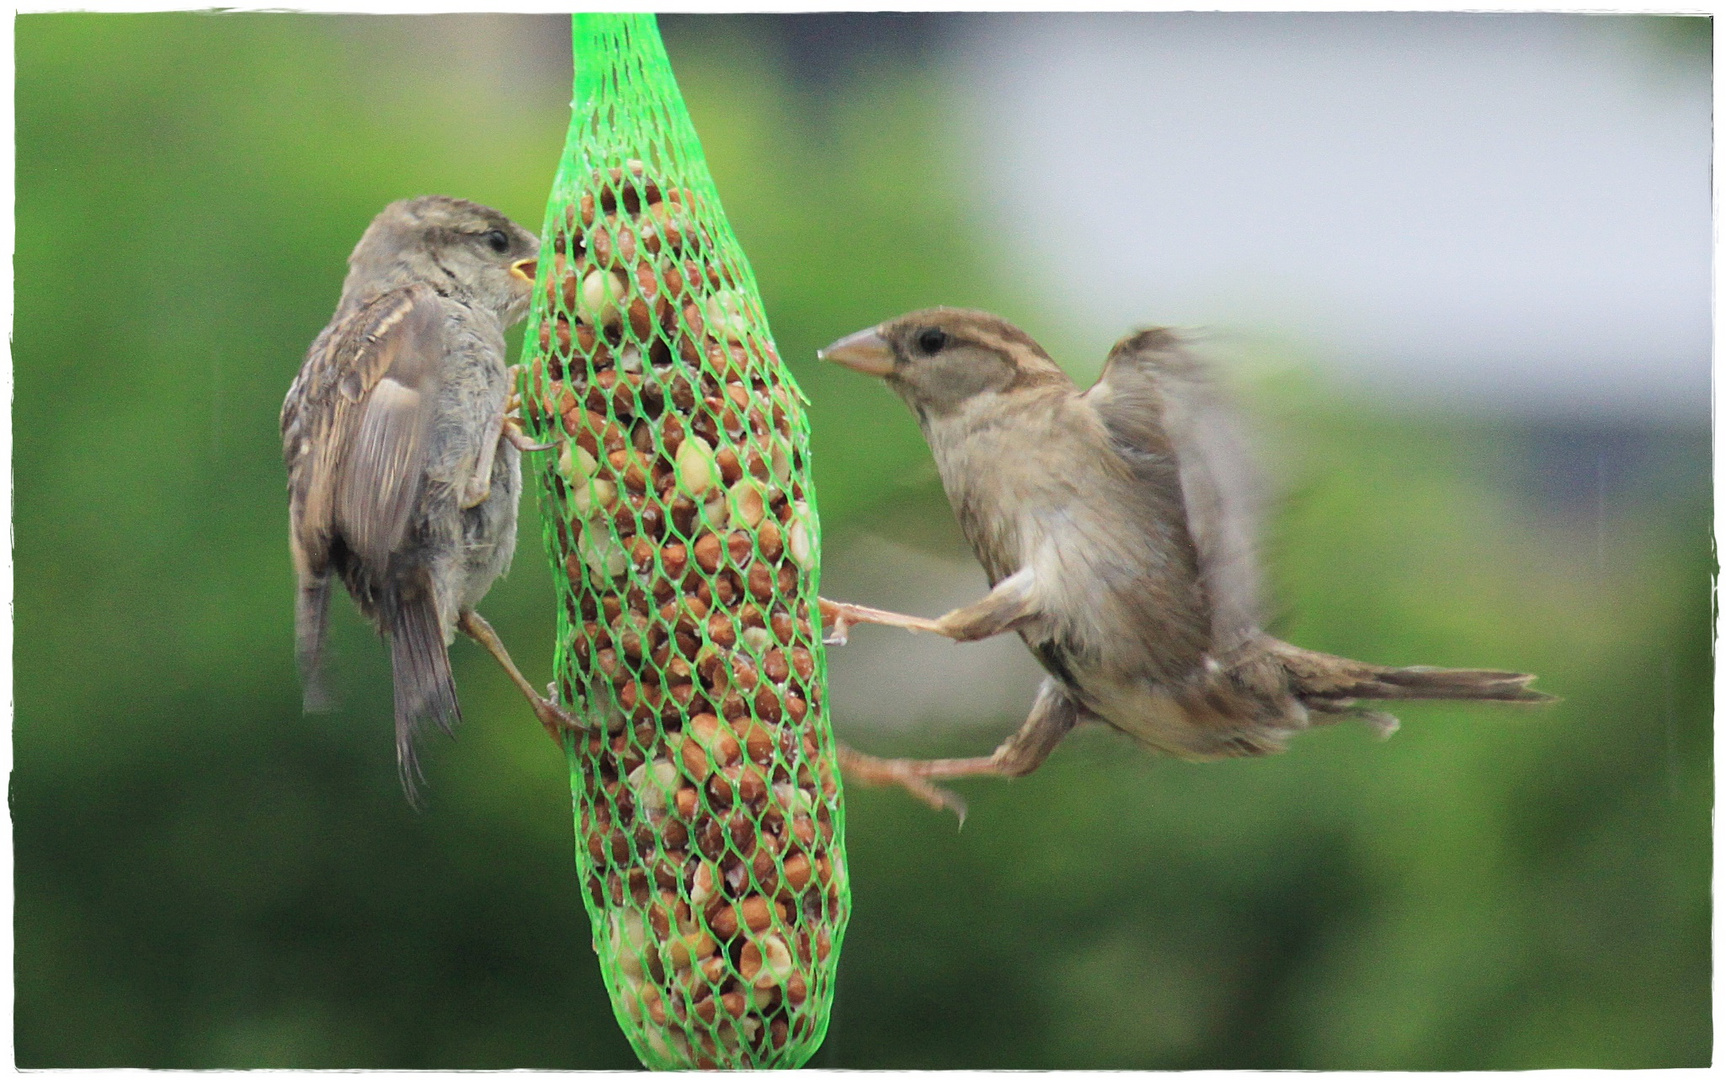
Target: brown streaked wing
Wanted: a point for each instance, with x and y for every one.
(369, 391)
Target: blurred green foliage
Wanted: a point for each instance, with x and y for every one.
(207, 878)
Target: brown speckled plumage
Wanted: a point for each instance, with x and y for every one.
(398, 480)
(1116, 527)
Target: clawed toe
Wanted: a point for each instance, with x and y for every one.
(902, 772)
(556, 719)
(517, 438)
(936, 797)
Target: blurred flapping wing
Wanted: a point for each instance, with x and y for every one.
(1150, 374)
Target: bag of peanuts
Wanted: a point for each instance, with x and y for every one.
(682, 529)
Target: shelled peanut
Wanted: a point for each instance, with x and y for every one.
(709, 810)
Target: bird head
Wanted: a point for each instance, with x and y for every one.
(459, 248)
(940, 358)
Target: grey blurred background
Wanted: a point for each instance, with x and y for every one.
(1501, 212)
(1458, 266)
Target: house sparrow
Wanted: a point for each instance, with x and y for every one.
(1115, 525)
(403, 468)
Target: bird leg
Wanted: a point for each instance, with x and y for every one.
(507, 425)
(837, 619)
(478, 487)
(1052, 716)
(1007, 605)
(874, 771)
(556, 720)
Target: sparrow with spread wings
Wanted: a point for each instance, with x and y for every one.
(1115, 525)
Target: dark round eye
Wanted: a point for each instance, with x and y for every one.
(498, 240)
(931, 340)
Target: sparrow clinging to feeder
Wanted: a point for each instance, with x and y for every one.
(403, 467)
(1116, 530)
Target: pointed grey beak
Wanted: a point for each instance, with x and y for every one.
(866, 351)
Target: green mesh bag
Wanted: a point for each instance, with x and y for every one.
(682, 529)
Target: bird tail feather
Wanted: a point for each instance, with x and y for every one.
(311, 624)
(424, 687)
(1322, 680)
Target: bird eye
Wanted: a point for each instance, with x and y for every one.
(931, 340)
(498, 240)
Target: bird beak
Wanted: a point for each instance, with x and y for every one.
(525, 269)
(866, 351)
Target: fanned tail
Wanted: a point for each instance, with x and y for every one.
(425, 690)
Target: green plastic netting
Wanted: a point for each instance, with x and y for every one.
(682, 529)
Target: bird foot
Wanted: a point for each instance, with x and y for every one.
(838, 619)
(512, 430)
(556, 720)
(834, 622)
(903, 772)
(518, 438)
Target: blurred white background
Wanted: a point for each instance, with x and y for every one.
(1503, 212)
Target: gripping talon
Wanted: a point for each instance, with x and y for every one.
(875, 772)
(518, 438)
(556, 720)
(938, 798)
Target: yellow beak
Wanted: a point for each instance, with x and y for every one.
(525, 269)
(866, 351)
